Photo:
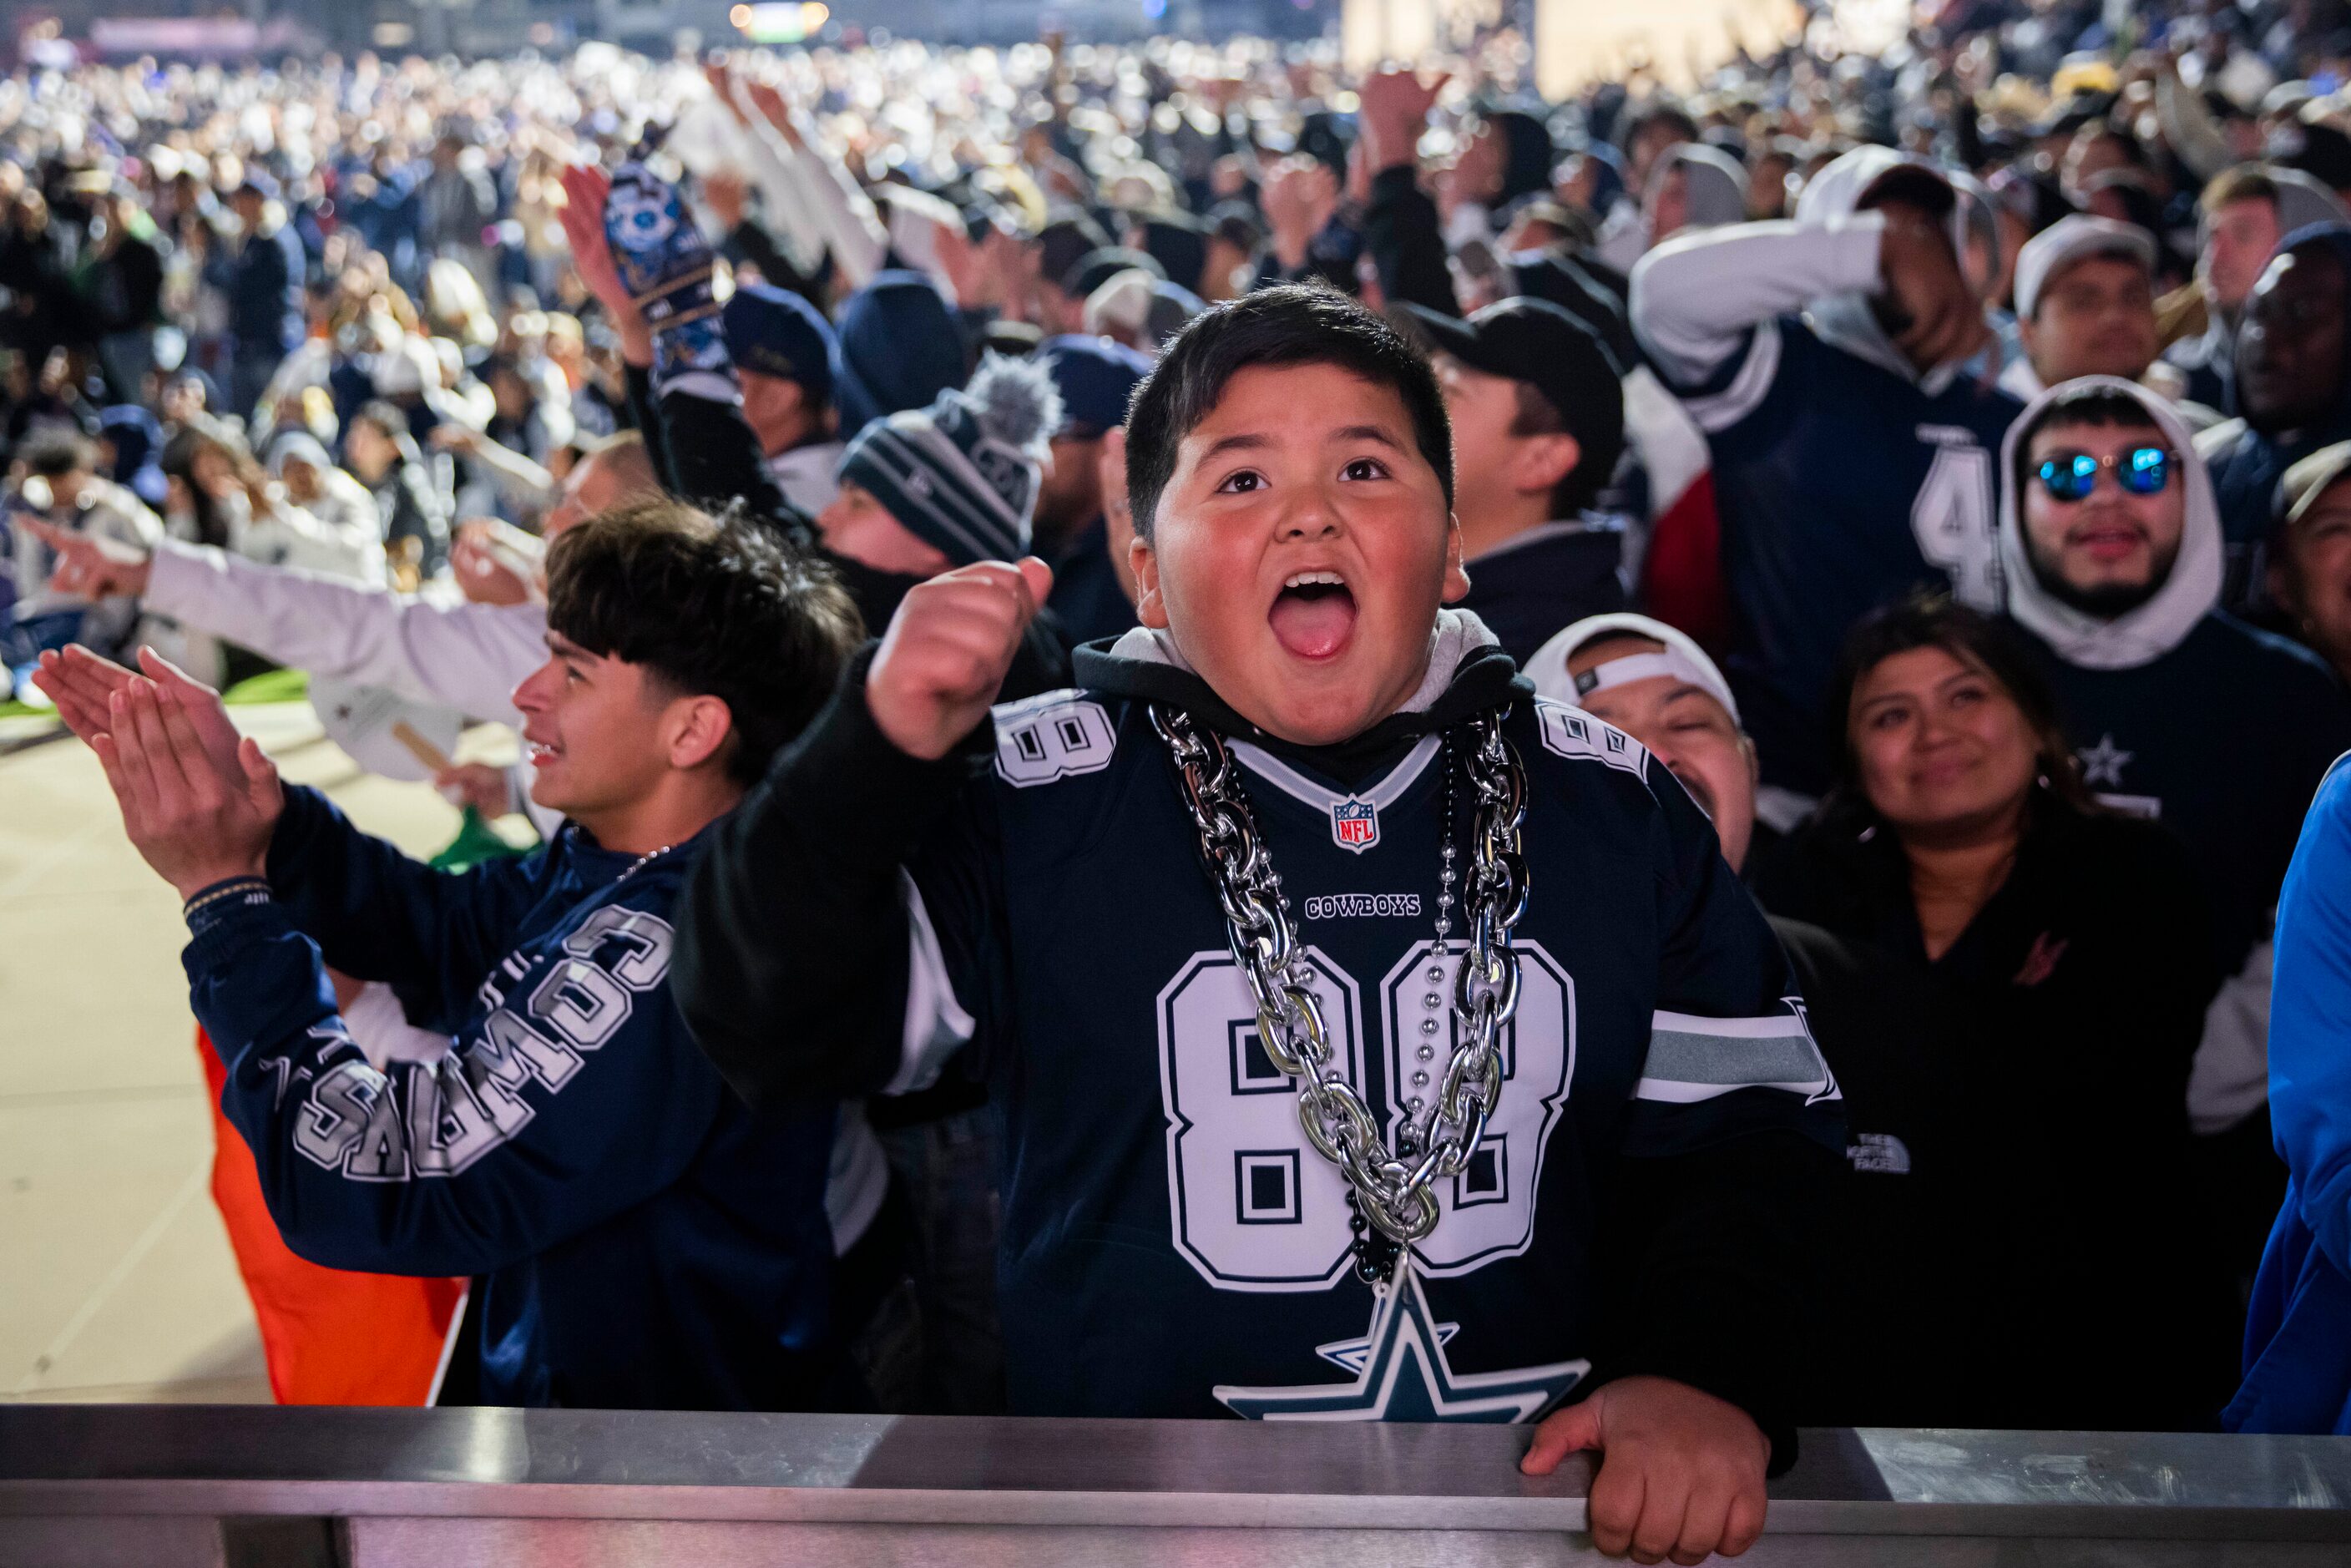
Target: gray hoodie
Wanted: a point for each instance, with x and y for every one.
(2188, 594)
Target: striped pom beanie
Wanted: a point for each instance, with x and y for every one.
(962, 474)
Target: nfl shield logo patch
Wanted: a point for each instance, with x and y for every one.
(1355, 824)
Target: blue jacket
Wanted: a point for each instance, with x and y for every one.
(643, 1239)
(263, 279)
(2298, 1328)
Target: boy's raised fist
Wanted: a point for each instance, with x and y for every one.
(947, 652)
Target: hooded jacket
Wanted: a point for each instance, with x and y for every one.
(2183, 714)
(2190, 590)
(1843, 475)
(1034, 912)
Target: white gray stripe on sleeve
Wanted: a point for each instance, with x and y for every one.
(1747, 390)
(1693, 1058)
(937, 1024)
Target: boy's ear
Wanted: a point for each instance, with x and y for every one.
(1150, 606)
(696, 729)
(1456, 579)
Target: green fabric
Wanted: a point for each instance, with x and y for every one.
(476, 843)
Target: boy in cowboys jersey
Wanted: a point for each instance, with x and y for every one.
(1372, 1041)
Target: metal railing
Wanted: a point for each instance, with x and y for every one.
(256, 1487)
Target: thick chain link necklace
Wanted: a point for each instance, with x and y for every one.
(1436, 1137)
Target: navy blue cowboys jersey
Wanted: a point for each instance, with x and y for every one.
(1841, 487)
(1171, 1245)
(639, 1239)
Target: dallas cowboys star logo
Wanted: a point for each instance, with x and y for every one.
(2104, 763)
(1402, 1374)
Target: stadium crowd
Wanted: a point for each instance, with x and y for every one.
(1938, 461)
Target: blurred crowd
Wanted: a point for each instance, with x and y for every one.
(1815, 422)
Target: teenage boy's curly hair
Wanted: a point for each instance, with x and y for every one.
(708, 606)
(1292, 325)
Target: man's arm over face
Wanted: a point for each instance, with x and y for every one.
(1699, 298)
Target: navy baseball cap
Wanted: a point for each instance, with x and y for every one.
(1535, 341)
(1096, 378)
(772, 332)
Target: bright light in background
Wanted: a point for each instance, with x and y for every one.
(780, 21)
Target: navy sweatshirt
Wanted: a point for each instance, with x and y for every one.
(643, 1239)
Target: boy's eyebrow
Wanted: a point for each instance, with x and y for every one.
(1251, 441)
(1242, 442)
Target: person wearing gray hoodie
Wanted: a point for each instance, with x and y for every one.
(1852, 460)
(2110, 541)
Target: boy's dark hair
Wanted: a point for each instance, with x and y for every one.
(54, 450)
(1292, 325)
(716, 607)
(1984, 642)
(2099, 407)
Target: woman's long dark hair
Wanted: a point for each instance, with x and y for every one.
(179, 462)
(1984, 643)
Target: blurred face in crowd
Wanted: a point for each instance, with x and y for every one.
(860, 528)
(513, 394)
(1767, 186)
(2237, 242)
(1299, 551)
(598, 481)
(2095, 149)
(247, 206)
(1670, 211)
(2313, 576)
(1685, 729)
(1943, 751)
(2110, 551)
(369, 451)
(1070, 494)
(2290, 359)
(1118, 514)
(776, 408)
(304, 483)
(2096, 318)
(1497, 471)
(215, 475)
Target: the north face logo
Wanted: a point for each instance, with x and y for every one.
(1355, 824)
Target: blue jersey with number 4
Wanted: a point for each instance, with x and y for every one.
(1841, 487)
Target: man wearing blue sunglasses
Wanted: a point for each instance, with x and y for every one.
(2111, 545)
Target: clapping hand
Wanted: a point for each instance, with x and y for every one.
(199, 801)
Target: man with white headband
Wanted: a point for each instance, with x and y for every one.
(1659, 686)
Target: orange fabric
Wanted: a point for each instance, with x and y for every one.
(331, 1337)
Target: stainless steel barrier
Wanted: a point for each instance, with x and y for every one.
(247, 1486)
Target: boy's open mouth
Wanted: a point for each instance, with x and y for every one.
(1313, 615)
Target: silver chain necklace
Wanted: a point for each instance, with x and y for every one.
(1390, 1187)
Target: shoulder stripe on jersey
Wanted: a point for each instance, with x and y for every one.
(1747, 390)
(1692, 1059)
(1291, 782)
